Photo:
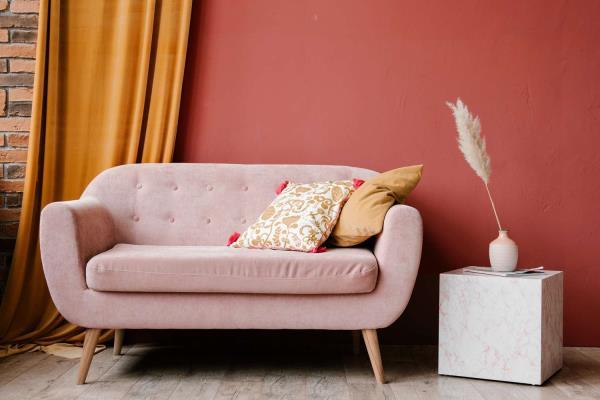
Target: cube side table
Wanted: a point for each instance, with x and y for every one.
(501, 328)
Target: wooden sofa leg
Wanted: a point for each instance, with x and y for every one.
(372, 343)
(89, 346)
(119, 335)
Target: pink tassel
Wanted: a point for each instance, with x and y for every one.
(357, 183)
(234, 236)
(316, 249)
(281, 187)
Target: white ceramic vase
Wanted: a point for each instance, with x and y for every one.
(504, 253)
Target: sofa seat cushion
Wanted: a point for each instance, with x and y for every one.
(220, 269)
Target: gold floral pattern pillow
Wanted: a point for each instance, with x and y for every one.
(300, 218)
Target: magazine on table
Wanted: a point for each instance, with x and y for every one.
(517, 272)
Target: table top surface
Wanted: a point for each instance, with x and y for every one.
(531, 276)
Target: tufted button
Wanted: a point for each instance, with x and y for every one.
(171, 220)
(139, 186)
(136, 218)
(243, 220)
(209, 188)
(208, 221)
(175, 187)
(245, 188)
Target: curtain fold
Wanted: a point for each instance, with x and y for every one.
(107, 89)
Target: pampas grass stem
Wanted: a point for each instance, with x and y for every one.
(487, 189)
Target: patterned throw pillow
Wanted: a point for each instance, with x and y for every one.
(300, 218)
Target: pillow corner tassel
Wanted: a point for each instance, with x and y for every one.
(233, 238)
(357, 182)
(281, 187)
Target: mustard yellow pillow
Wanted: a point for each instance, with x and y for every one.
(300, 218)
(363, 213)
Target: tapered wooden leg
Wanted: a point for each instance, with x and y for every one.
(89, 346)
(372, 343)
(356, 342)
(119, 335)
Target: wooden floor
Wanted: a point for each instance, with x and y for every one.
(153, 372)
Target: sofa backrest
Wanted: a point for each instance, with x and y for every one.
(197, 204)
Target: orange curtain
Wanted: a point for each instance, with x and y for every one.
(107, 88)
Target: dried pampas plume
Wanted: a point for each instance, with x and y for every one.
(472, 146)
(470, 141)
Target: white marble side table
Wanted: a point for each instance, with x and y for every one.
(501, 328)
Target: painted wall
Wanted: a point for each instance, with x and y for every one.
(364, 83)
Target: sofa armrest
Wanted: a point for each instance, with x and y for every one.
(71, 232)
(398, 253)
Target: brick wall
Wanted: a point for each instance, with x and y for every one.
(18, 23)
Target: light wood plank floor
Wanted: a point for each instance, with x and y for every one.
(167, 372)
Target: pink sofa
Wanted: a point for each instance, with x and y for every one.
(144, 248)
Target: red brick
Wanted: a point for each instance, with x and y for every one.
(11, 185)
(14, 124)
(20, 94)
(15, 171)
(24, 6)
(13, 200)
(17, 50)
(2, 103)
(3, 35)
(9, 215)
(13, 155)
(3, 65)
(16, 79)
(3, 4)
(19, 65)
(18, 21)
(19, 109)
(9, 229)
(23, 36)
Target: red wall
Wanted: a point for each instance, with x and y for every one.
(364, 83)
